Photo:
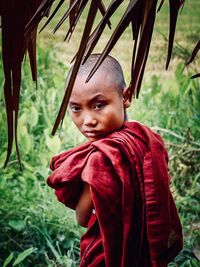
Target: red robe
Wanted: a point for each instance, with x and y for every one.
(136, 221)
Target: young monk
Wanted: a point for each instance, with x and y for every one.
(118, 182)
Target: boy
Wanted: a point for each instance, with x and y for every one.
(117, 182)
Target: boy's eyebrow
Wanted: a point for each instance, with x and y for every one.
(93, 99)
(96, 97)
(73, 103)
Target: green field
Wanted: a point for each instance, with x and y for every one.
(38, 231)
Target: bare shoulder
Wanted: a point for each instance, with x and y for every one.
(84, 206)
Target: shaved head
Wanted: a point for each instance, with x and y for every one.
(109, 67)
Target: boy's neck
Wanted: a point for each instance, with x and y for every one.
(125, 116)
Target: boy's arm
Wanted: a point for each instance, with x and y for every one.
(84, 206)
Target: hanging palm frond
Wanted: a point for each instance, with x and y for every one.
(16, 14)
(194, 53)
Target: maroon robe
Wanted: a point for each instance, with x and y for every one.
(135, 221)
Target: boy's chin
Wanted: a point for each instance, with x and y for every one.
(97, 137)
(92, 139)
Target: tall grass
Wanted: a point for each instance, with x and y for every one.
(30, 216)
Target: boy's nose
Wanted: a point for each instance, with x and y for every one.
(89, 121)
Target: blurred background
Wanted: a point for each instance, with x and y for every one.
(36, 230)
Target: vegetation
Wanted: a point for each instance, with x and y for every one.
(38, 231)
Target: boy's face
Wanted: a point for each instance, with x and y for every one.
(97, 107)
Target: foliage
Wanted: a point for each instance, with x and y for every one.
(35, 228)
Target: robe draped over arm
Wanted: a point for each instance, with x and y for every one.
(127, 173)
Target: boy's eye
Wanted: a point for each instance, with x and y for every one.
(99, 105)
(75, 108)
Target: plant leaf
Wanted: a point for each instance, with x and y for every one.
(32, 116)
(101, 26)
(41, 10)
(53, 14)
(194, 53)
(196, 76)
(53, 143)
(174, 8)
(18, 225)
(23, 255)
(161, 4)
(8, 260)
(75, 18)
(125, 20)
(102, 9)
(14, 16)
(147, 24)
(70, 10)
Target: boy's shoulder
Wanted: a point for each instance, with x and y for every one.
(136, 131)
(126, 137)
(144, 132)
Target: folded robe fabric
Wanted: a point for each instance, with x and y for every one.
(136, 222)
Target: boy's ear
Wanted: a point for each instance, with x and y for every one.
(126, 97)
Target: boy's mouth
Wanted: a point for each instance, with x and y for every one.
(92, 133)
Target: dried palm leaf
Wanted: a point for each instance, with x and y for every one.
(196, 76)
(75, 19)
(88, 27)
(139, 13)
(14, 17)
(53, 14)
(122, 25)
(175, 5)
(100, 28)
(77, 16)
(194, 53)
(72, 13)
(40, 12)
(161, 4)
